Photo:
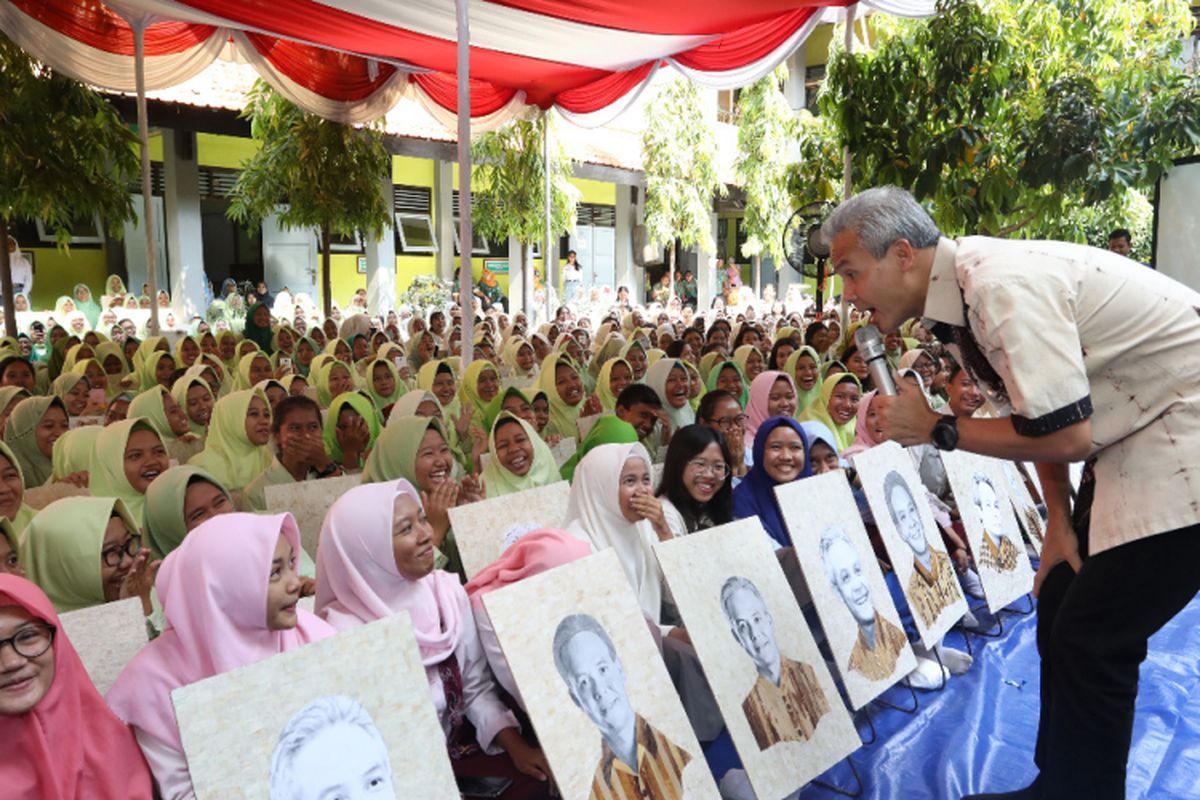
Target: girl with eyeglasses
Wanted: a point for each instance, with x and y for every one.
(60, 739)
(695, 489)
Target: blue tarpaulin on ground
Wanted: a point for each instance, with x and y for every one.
(978, 734)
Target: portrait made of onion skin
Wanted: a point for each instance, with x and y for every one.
(331, 748)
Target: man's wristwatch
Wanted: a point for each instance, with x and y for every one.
(945, 433)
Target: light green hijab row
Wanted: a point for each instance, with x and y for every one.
(106, 477)
(72, 451)
(804, 398)
(61, 386)
(324, 394)
(500, 481)
(165, 523)
(180, 392)
(361, 405)
(25, 512)
(146, 372)
(149, 405)
(20, 434)
(609, 429)
(562, 416)
(380, 401)
(714, 374)
(395, 453)
(61, 549)
(425, 380)
(228, 455)
(818, 410)
(243, 380)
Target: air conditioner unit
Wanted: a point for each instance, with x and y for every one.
(645, 252)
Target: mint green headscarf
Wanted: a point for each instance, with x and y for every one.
(165, 524)
(542, 472)
(364, 408)
(228, 455)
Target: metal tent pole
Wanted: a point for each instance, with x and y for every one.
(466, 281)
(139, 45)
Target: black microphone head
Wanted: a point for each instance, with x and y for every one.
(869, 341)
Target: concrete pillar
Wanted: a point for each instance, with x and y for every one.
(517, 294)
(708, 282)
(381, 263)
(626, 220)
(443, 217)
(185, 241)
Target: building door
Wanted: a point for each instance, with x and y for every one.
(290, 259)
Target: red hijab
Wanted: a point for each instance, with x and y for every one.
(69, 745)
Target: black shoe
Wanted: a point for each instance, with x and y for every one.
(1031, 792)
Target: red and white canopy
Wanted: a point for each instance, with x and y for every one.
(351, 60)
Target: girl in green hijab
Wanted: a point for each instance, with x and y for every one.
(187, 350)
(193, 393)
(512, 399)
(156, 370)
(837, 407)
(86, 303)
(614, 376)
(31, 431)
(334, 378)
(305, 351)
(519, 460)
(116, 368)
(12, 492)
(804, 365)
(236, 450)
(128, 456)
(634, 354)
(607, 430)
(563, 386)
(252, 369)
(258, 327)
(480, 385)
(72, 389)
(169, 419)
(383, 384)
(9, 397)
(350, 415)
(180, 500)
(728, 376)
(83, 551)
(72, 454)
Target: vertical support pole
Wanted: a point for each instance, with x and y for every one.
(549, 254)
(466, 280)
(139, 45)
(847, 190)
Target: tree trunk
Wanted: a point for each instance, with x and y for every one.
(6, 283)
(326, 282)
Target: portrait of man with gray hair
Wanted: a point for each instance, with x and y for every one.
(331, 748)
(932, 586)
(999, 553)
(636, 760)
(878, 643)
(786, 702)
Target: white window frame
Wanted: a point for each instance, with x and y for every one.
(343, 247)
(415, 249)
(49, 238)
(477, 249)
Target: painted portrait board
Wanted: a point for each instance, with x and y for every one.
(780, 705)
(484, 528)
(309, 502)
(870, 648)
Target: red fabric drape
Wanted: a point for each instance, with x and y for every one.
(604, 92)
(98, 26)
(443, 90)
(331, 74)
(745, 45)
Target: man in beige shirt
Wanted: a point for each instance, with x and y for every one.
(1091, 356)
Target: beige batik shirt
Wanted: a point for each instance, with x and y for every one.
(1077, 333)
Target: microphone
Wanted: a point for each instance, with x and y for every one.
(870, 347)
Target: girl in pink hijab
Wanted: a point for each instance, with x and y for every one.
(866, 435)
(772, 394)
(532, 554)
(60, 741)
(375, 559)
(229, 592)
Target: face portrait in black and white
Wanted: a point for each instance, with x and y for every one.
(587, 661)
(752, 625)
(987, 503)
(845, 571)
(331, 748)
(903, 508)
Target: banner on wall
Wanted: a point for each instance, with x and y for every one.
(496, 266)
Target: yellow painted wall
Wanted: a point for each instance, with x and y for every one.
(57, 271)
(230, 152)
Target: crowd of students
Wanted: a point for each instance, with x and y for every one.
(138, 467)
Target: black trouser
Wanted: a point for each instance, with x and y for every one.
(1092, 634)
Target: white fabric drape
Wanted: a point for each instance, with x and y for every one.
(748, 74)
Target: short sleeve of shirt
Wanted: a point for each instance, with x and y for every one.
(1026, 328)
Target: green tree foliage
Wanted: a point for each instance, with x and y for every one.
(64, 152)
(679, 154)
(766, 130)
(511, 201)
(1006, 115)
(328, 175)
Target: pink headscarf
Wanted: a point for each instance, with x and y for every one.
(756, 406)
(534, 553)
(69, 745)
(360, 582)
(862, 436)
(213, 588)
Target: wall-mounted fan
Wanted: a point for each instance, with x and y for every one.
(805, 247)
